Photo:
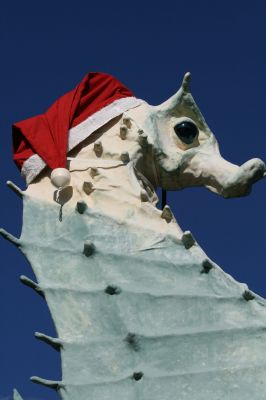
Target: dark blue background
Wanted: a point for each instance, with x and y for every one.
(47, 47)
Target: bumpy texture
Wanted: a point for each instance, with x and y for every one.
(131, 309)
(140, 311)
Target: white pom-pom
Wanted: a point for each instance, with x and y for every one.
(60, 177)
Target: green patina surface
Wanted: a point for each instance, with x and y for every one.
(139, 322)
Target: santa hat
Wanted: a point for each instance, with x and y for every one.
(45, 139)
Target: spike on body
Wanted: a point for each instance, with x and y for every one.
(47, 383)
(98, 148)
(15, 189)
(188, 239)
(125, 157)
(167, 214)
(94, 172)
(33, 285)
(88, 187)
(144, 196)
(127, 122)
(53, 342)
(81, 206)
(16, 395)
(8, 236)
(248, 295)
(207, 265)
(89, 248)
(123, 132)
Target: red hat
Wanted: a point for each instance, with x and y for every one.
(45, 139)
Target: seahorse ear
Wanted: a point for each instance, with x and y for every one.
(173, 101)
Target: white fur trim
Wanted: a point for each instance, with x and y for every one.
(34, 165)
(98, 119)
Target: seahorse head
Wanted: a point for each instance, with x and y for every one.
(185, 151)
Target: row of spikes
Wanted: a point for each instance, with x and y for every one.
(143, 142)
(123, 132)
(88, 188)
(89, 248)
(98, 150)
(187, 239)
(166, 214)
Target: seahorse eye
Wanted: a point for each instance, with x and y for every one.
(186, 131)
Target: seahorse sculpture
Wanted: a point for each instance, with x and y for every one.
(140, 311)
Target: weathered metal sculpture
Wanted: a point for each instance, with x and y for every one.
(141, 312)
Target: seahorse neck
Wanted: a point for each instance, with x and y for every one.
(106, 177)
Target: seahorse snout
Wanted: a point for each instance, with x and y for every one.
(240, 183)
(210, 169)
(254, 169)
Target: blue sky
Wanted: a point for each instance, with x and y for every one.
(47, 47)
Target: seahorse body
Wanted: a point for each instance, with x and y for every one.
(140, 311)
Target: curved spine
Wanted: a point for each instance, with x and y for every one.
(15, 189)
(53, 342)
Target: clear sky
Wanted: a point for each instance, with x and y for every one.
(47, 47)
